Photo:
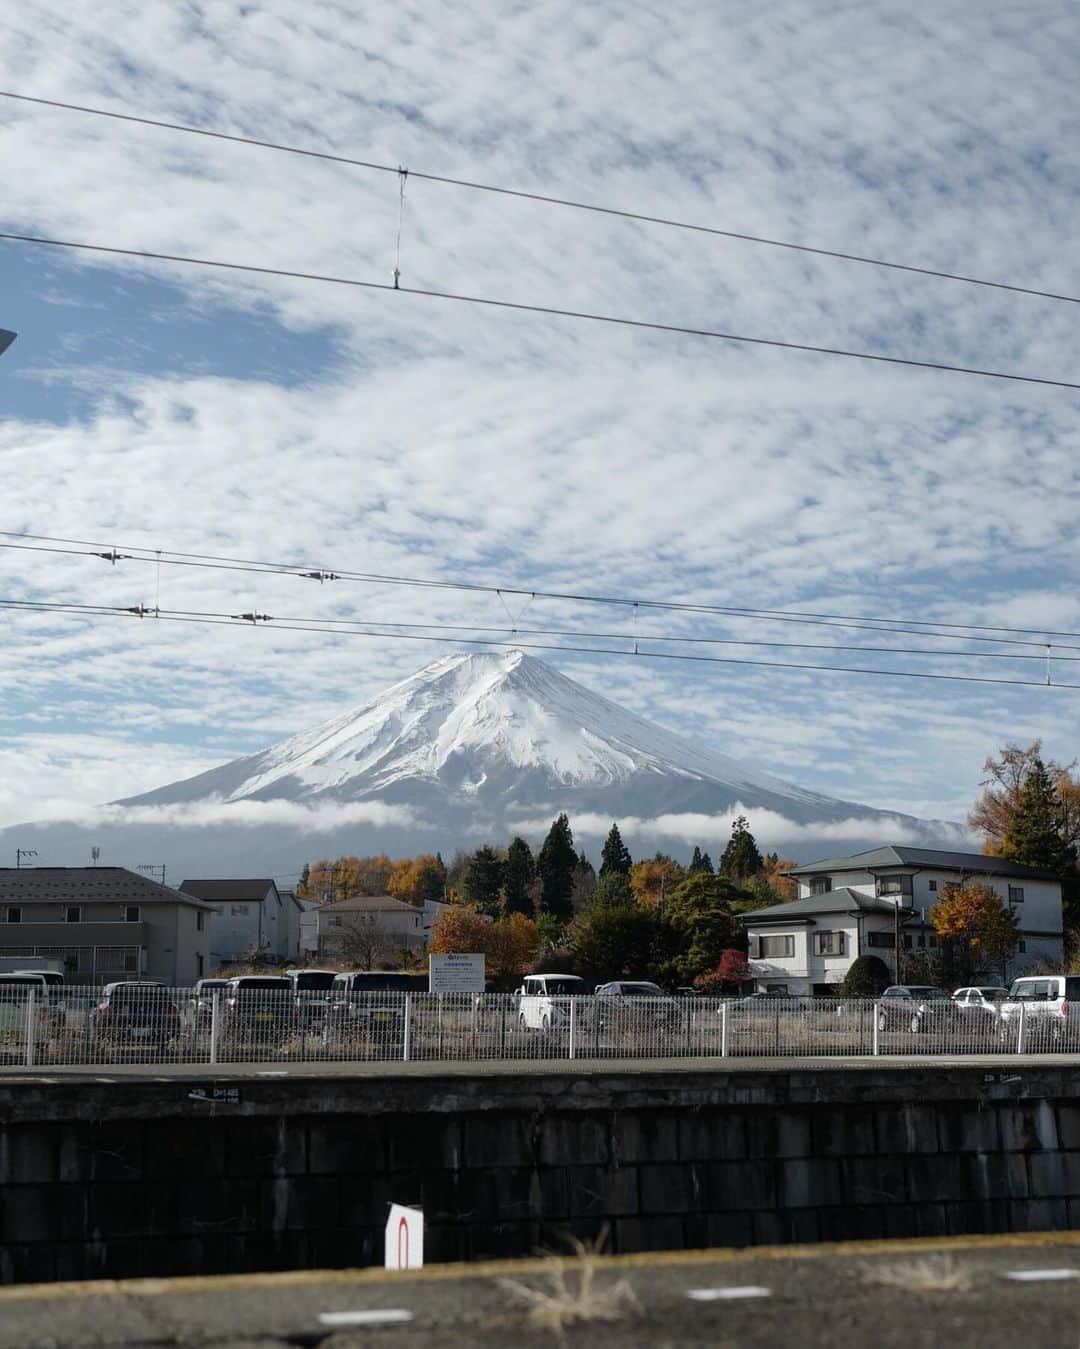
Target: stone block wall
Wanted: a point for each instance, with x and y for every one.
(128, 1178)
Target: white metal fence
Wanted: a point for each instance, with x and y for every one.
(149, 1024)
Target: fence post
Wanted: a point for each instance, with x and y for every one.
(408, 1020)
(874, 1018)
(1020, 1032)
(723, 1029)
(572, 1001)
(215, 1014)
(31, 1024)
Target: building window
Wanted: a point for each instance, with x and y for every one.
(131, 913)
(881, 939)
(200, 921)
(239, 910)
(893, 885)
(73, 914)
(1016, 894)
(773, 947)
(14, 915)
(931, 940)
(828, 943)
(1022, 948)
(907, 941)
(199, 962)
(71, 962)
(131, 963)
(820, 885)
(932, 887)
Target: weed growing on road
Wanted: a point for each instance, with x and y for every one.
(572, 1295)
(934, 1274)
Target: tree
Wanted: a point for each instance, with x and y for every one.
(512, 945)
(774, 871)
(628, 942)
(555, 866)
(1035, 834)
(518, 874)
(978, 933)
(460, 929)
(654, 879)
(732, 970)
(414, 880)
(612, 892)
(616, 855)
(699, 913)
(867, 977)
(483, 880)
(700, 861)
(741, 858)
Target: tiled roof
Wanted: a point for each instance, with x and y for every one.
(934, 859)
(229, 891)
(86, 885)
(359, 903)
(841, 900)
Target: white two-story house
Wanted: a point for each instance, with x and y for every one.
(852, 906)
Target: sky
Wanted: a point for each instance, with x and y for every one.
(171, 407)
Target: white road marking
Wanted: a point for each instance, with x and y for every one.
(1037, 1275)
(736, 1294)
(373, 1316)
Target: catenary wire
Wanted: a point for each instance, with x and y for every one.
(551, 311)
(172, 557)
(191, 616)
(542, 198)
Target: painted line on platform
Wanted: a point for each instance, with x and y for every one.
(735, 1294)
(375, 1316)
(1040, 1275)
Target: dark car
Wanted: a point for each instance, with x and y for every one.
(135, 1014)
(916, 1008)
(368, 1005)
(635, 1004)
(311, 995)
(259, 1007)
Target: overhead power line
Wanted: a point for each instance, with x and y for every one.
(542, 198)
(267, 622)
(115, 553)
(552, 311)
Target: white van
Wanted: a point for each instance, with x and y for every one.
(544, 1000)
(1045, 1000)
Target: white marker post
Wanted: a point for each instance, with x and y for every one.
(404, 1238)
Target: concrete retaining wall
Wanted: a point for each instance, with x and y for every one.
(127, 1178)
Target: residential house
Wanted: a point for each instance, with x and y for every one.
(852, 906)
(249, 915)
(104, 924)
(367, 928)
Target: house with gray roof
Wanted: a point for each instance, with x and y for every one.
(103, 924)
(878, 903)
(250, 914)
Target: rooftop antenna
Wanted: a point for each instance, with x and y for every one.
(157, 871)
(95, 853)
(20, 853)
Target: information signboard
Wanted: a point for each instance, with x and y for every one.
(457, 973)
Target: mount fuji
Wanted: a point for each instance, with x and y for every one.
(472, 748)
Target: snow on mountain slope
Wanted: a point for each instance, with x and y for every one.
(507, 732)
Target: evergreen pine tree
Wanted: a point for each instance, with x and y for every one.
(483, 879)
(706, 863)
(695, 861)
(616, 855)
(555, 866)
(741, 858)
(1034, 834)
(517, 876)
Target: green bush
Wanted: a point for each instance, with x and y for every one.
(866, 978)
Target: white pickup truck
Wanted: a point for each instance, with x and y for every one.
(544, 1000)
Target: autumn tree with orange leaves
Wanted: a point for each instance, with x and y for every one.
(978, 933)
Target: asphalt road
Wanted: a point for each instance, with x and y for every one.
(989, 1292)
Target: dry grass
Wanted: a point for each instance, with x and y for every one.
(572, 1295)
(933, 1274)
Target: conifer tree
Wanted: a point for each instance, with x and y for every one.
(517, 876)
(616, 855)
(741, 858)
(1035, 835)
(555, 866)
(483, 880)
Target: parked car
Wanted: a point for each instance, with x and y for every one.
(15, 990)
(984, 998)
(367, 1005)
(916, 1008)
(635, 1004)
(259, 1007)
(311, 994)
(544, 1000)
(1044, 1000)
(135, 1014)
(200, 1006)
